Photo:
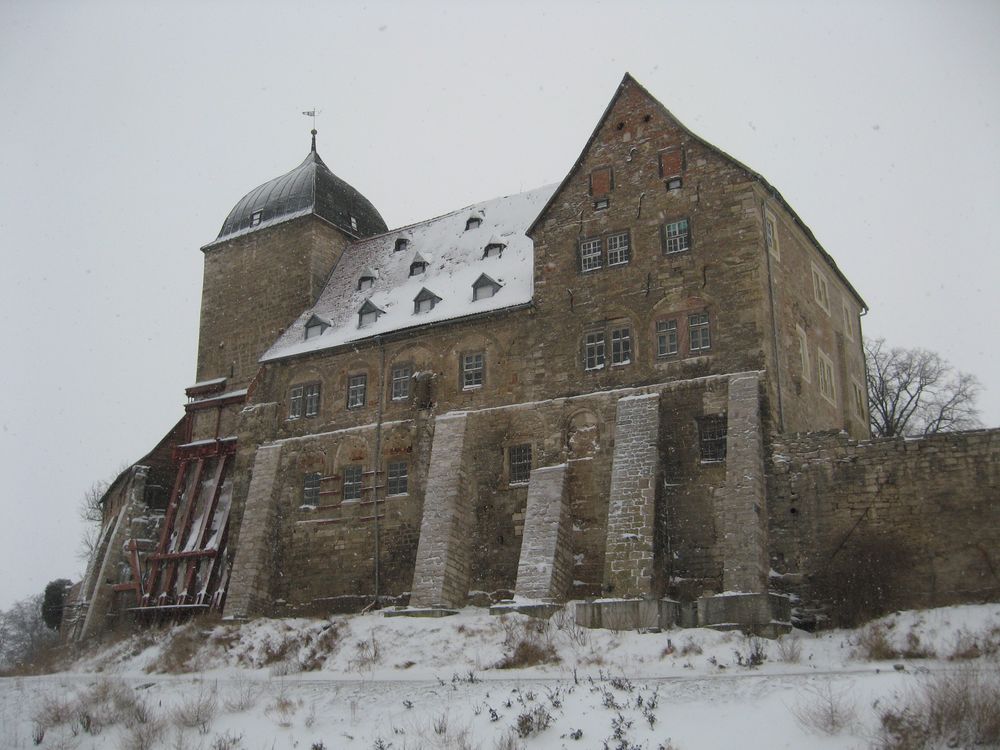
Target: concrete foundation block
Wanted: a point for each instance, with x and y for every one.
(542, 610)
(757, 613)
(627, 614)
(419, 612)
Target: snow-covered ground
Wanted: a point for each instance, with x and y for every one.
(369, 681)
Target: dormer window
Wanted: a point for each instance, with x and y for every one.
(315, 327)
(484, 287)
(354, 223)
(366, 280)
(368, 314)
(473, 222)
(401, 243)
(255, 218)
(424, 301)
(418, 266)
(494, 248)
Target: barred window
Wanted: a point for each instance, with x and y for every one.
(594, 351)
(712, 436)
(519, 461)
(618, 249)
(357, 385)
(621, 346)
(590, 255)
(699, 336)
(295, 400)
(352, 482)
(312, 399)
(398, 476)
(473, 366)
(310, 488)
(676, 236)
(666, 338)
(400, 389)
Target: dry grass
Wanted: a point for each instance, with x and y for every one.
(528, 642)
(873, 644)
(789, 648)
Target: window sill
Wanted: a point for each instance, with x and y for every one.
(471, 387)
(712, 461)
(516, 485)
(621, 364)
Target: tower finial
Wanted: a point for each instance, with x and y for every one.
(312, 113)
(313, 131)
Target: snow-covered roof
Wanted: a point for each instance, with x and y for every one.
(455, 261)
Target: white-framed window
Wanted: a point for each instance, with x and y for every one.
(400, 382)
(824, 371)
(593, 350)
(804, 364)
(473, 367)
(312, 399)
(397, 478)
(351, 488)
(357, 387)
(590, 255)
(618, 249)
(519, 463)
(860, 401)
(712, 433)
(354, 223)
(303, 401)
(667, 344)
(771, 234)
(310, 488)
(848, 321)
(621, 346)
(821, 289)
(699, 332)
(676, 236)
(295, 402)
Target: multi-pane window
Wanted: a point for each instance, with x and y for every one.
(397, 478)
(821, 290)
(590, 255)
(472, 370)
(519, 461)
(676, 236)
(771, 234)
(699, 335)
(295, 402)
(621, 346)
(712, 437)
(352, 482)
(594, 350)
(826, 383)
(666, 338)
(312, 399)
(400, 388)
(357, 385)
(310, 488)
(303, 400)
(618, 249)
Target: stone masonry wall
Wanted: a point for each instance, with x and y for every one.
(932, 503)
(545, 568)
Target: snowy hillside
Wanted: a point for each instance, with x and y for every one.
(476, 681)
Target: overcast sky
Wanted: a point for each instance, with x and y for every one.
(127, 133)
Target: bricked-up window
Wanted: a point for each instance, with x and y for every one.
(848, 321)
(666, 338)
(311, 393)
(671, 163)
(590, 255)
(712, 437)
(859, 400)
(699, 334)
(398, 478)
(804, 363)
(821, 290)
(473, 366)
(621, 346)
(601, 182)
(400, 388)
(771, 234)
(676, 236)
(593, 354)
(618, 249)
(827, 387)
(519, 463)
(357, 386)
(352, 482)
(310, 488)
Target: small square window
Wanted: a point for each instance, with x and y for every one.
(590, 255)
(472, 370)
(712, 437)
(666, 338)
(618, 249)
(352, 482)
(255, 218)
(674, 183)
(699, 335)
(310, 488)
(601, 203)
(295, 402)
(354, 223)
(519, 463)
(676, 237)
(401, 243)
(312, 399)
(621, 346)
(397, 478)
(357, 385)
(594, 350)
(401, 376)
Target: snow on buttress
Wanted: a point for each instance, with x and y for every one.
(455, 261)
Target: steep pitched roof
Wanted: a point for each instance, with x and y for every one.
(628, 80)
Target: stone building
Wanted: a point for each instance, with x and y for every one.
(598, 390)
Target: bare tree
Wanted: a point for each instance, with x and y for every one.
(23, 634)
(91, 513)
(917, 392)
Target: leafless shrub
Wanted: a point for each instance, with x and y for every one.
(534, 720)
(873, 643)
(144, 735)
(528, 643)
(973, 646)
(789, 649)
(53, 712)
(314, 652)
(959, 709)
(367, 653)
(181, 650)
(825, 710)
(753, 652)
(507, 741)
(528, 654)
(198, 710)
(227, 741)
(242, 696)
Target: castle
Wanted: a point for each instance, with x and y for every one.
(642, 388)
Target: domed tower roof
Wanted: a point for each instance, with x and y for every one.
(309, 188)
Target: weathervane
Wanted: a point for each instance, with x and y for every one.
(312, 113)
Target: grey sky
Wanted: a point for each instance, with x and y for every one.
(128, 131)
